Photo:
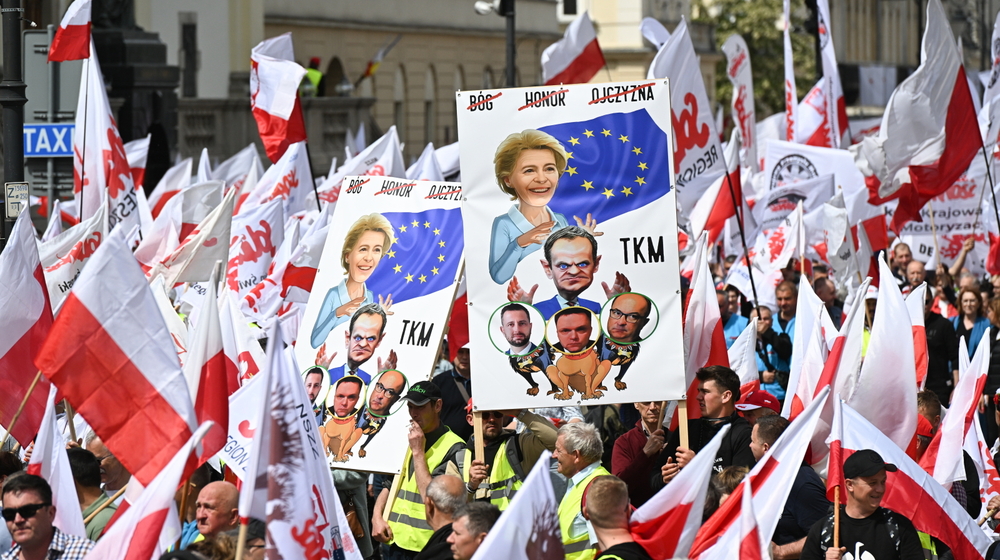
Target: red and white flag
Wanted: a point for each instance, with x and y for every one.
(808, 330)
(529, 527)
(254, 239)
(383, 158)
(986, 469)
(49, 461)
(813, 125)
(179, 217)
(576, 58)
(55, 222)
(739, 73)
(27, 319)
(263, 301)
(100, 165)
(943, 458)
(836, 105)
(195, 258)
(747, 540)
(137, 152)
(743, 358)
(151, 523)
(274, 94)
(234, 170)
(287, 454)
(698, 158)
(772, 252)
(791, 96)
(886, 390)
(244, 419)
(923, 145)
(666, 525)
(109, 345)
(178, 330)
(171, 184)
(244, 357)
(910, 491)
(718, 204)
(458, 322)
(72, 40)
(769, 482)
(915, 307)
(289, 180)
(64, 256)
(205, 371)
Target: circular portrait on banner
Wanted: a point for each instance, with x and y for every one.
(629, 318)
(317, 382)
(516, 328)
(573, 330)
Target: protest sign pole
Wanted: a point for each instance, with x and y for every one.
(988, 515)
(20, 409)
(682, 421)
(394, 489)
(836, 517)
(477, 432)
(241, 540)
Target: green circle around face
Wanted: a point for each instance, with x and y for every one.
(494, 329)
(373, 387)
(652, 319)
(324, 388)
(552, 336)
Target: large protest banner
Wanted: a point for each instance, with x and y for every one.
(377, 312)
(571, 226)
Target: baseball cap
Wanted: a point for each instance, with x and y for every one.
(872, 292)
(865, 462)
(422, 392)
(758, 399)
(924, 427)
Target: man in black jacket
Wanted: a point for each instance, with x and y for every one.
(445, 494)
(942, 353)
(718, 391)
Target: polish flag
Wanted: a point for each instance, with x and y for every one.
(910, 491)
(205, 371)
(244, 419)
(791, 96)
(195, 258)
(704, 340)
(289, 180)
(109, 345)
(836, 106)
(808, 333)
(943, 457)
(666, 525)
(274, 94)
(923, 145)
(55, 223)
(716, 207)
(263, 301)
(72, 40)
(244, 356)
(27, 319)
(49, 461)
(989, 480)
(813, 126)
(915, 307)
(458, 322)
(65, 255)
(743, 358)
(747, 540)
(576, 58)
(179, 217)
(886, 390)
(137, 152)
(171, 184)
(151, 523)
(298, 497)
(769, 482)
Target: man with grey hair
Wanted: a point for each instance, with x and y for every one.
(114, 477)
(578, 452)
(472, 523)
(445, 494)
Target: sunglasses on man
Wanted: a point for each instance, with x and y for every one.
(26, 512)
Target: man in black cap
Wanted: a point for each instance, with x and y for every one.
(867, 531)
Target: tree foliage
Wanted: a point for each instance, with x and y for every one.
(758, 21)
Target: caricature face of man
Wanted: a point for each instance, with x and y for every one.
(573, 266)
(516, 328)
(314, 382)
(387, 390)
(573, 330)
(346, 396)
(629, 314)
(363, 339)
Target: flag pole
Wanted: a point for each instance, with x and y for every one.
(20, 409)
(738, 209)
(989, 175)
(682, 421)
(477, 432)
(69, 419)
(86, 113)
(836, 517)
(988, 515)
(312, 177)
(241, 540)
(937, 250)
(106, 503)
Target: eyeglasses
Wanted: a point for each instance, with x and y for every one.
(26, 512)
(566, 266)
(380, 388)
(632, 318)
(103, 457)
(358, 338)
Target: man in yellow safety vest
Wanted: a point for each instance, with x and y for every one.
(578, 452)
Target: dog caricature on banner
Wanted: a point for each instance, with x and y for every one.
(573, 283)
(377, 312)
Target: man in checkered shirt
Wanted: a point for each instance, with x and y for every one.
(28, 511)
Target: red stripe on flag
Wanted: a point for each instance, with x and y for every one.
(158, 207)
(297, 277)
(584, 67)
(458, 326)
(750, 546)
(212, 403)
(723, 208)
(729, 512)
(146, 536)
(70, 43)
(277, 133)
(659, 536)
(133, 419)
(920, 353)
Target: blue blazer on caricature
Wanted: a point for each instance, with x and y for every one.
(505, 253)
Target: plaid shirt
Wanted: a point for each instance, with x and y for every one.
(62, 547)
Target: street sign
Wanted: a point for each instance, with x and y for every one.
(16, 197)
(38, 88)
(48, 140)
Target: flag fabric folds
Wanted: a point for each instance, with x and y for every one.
(576, 58)
(274, 95)
(49, 461)
(72, 40)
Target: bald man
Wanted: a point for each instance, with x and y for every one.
(216, 509)
(113, 475)
(629, 314)
(387, 391)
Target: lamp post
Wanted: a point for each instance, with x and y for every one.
(12, 99)
(503, 8)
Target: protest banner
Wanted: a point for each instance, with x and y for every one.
(595, 214)
(395, 247)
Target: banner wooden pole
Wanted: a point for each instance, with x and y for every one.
(937, 250)
(394, 489)
(682, 421)
(20, 409)
(988, 515)
(241, 540)
(70, 420)
(477, 431)
(110, 501)
(659, 419)
(836, 517)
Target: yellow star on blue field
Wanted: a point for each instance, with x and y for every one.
(574, 141)
(441, 243)
(390, 254)
(423, 278)
(440, 258)
(402, 229)
(606, 132)
(623, 138)
(640, 180)
(571, 171)
(587, 185)
(588, 133)
(437, 231)
(427, 224)
(643, 166)
(636, 150)
(627, 191)
(569, 155)
(409, 278)
(415, 223)
(398, 268)
(608, 193)
(435, 270)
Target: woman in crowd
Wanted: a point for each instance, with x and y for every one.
(970, 323)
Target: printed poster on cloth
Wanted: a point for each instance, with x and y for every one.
(572, 266)
(380, 303)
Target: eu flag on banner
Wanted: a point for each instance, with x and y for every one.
(617, 163)
(425, 256)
